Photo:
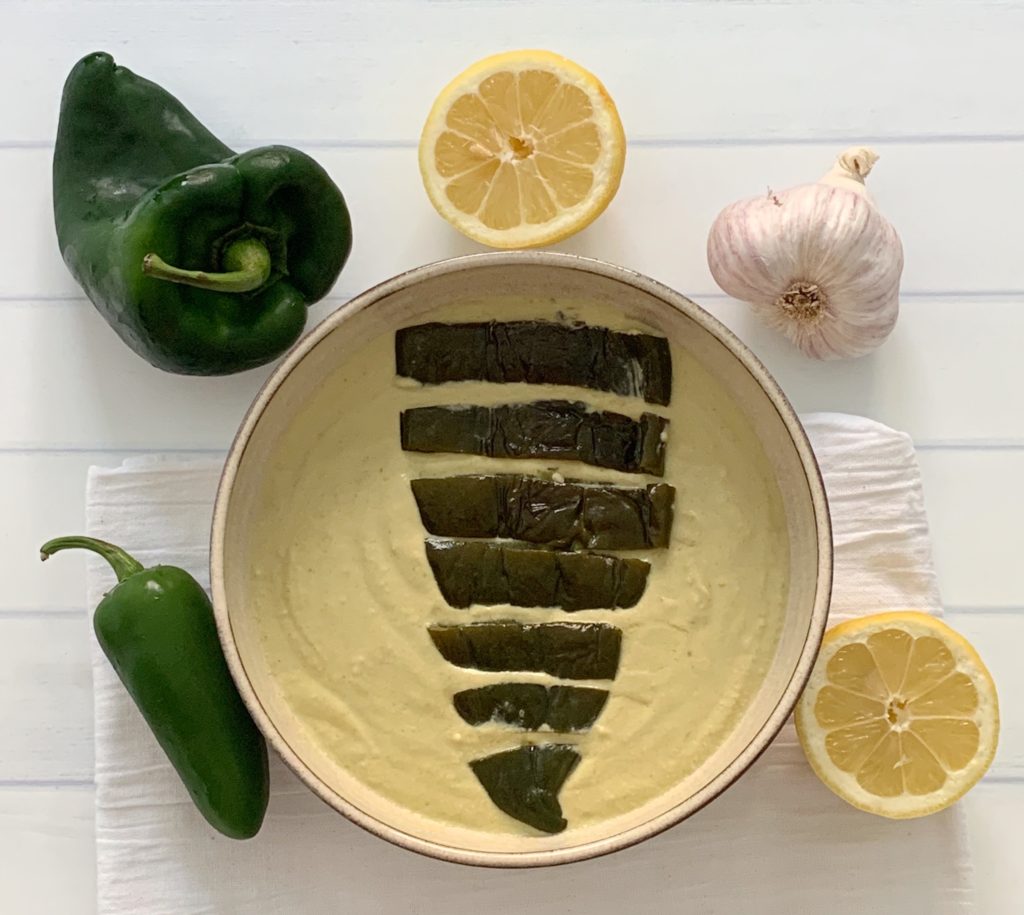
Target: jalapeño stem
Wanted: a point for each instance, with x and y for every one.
(124, 566)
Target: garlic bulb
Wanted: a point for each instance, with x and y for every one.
(818, 261)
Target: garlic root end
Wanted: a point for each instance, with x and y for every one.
(803, 302)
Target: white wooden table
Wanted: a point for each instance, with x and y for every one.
(720, 99)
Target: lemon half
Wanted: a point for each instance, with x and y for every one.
(522, 149)
(900, 716)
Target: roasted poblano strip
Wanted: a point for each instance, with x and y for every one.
(531, 706)
(572, 651)
(524, 782)
(480, 572)
(538, 352)
(534, 510)
(547, 429)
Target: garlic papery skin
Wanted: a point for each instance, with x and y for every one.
(818, 261)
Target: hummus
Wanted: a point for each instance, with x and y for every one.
(343, 595)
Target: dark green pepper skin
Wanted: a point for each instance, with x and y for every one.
(157, 629)
(134, 174)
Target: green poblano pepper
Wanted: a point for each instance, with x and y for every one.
(536, 510)
(571, 651)
(203, 260)
(537, 352)
(524, 782)
(471, 572)
(548, 429)
(530, 706)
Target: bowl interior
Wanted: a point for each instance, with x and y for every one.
(411, 298)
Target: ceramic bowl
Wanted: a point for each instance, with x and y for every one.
(410, 298)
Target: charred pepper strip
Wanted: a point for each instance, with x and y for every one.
(480, 572)
(530, 706)
(538, 352)
(535, 510)
(524, 782)
(572, 651)
(546, 429)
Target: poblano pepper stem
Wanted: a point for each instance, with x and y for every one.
(247, 262)
(124, 566)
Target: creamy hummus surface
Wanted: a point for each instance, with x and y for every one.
(343, 595)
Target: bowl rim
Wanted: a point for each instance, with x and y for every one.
(728, 775)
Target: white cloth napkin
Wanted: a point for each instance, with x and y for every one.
(776, 842)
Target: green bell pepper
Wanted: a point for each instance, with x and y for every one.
(156, 628)
(203, 260)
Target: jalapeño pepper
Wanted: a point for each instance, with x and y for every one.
(156, 628)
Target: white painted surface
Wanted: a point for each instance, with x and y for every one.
(721, 98)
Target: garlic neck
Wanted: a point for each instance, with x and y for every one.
(851, 168)
(803, 302)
